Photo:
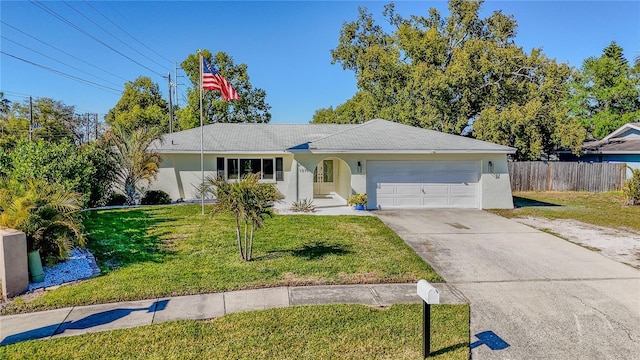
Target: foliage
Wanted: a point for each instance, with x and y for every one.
(46, 213)
(337, 331)
(97, 154)
(141, 105)
(155, 197)
(631, 188)
(53, 121)
(152, 252)
(455, 74)
(357, 199)
(249, 200)
(116, 199)
(303, 205)
(606, 92)
(48, 162)
(136, 162)
(251, 108)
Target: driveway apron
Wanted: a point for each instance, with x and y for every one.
(544, 297)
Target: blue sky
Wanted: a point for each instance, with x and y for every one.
(286, 45)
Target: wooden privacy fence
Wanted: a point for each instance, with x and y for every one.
(566, 176)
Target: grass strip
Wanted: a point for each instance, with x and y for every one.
(306, 332)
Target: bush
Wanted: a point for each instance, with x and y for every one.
(303, 205)
(116, 200)
(156, 197)
(631, 188)
(357, 199)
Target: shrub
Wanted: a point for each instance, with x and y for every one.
(116, 199)
(47, 213)
(357, 199)
(303, 205)
(155, 197)
(631, 188)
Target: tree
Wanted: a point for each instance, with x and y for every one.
(249, 200)
(452, 74)
(135, 162)
(251, 108)
(45, 118)
(606, 92)
(141, 105)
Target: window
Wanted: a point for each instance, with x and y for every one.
(267, 169)
(237, 168)
(232, 168)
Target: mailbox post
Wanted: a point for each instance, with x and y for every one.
(429, 295)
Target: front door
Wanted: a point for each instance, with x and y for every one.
(323, 178)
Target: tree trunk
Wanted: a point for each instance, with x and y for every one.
(246, 247)
(251, 244)
(238, 237)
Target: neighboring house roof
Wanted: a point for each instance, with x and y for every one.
(625, 140)
(374, 136)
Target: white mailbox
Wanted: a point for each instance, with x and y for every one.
(428, 293)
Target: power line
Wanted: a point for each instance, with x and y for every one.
(113, 36)
(63, 63)
(62, 51)
(88, 82)
(124, 31)
(63, 19)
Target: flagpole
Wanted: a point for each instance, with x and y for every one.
(201, 138)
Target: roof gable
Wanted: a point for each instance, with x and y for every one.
(628, 130)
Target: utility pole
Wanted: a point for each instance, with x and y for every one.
(170, 104)
(175, 85)
(30, 117)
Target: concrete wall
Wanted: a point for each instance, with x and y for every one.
(14, 270)
(180, 174)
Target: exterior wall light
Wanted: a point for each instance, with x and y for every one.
(359, 167)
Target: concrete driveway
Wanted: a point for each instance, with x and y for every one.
(544, 296)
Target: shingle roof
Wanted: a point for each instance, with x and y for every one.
(373, 136)
(623, 145)
(623, 140)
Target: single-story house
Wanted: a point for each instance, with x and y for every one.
(621, 146)
(397, 166)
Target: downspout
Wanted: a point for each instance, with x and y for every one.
(297, 183)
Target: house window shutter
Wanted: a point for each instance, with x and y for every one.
(279, 169)
(220, 166)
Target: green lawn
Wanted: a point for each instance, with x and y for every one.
(307, 332)
(173, 250)
(603, 209)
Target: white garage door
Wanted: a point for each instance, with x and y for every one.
(422, 184)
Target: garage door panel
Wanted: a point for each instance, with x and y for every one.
(386, 189)
(463, 190)
(408, 202)
(409, 189)
(415, 184)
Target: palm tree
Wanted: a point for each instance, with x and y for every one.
(135, 161)
(248, 200)
(47, 213)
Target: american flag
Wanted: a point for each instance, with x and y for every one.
(213, 80)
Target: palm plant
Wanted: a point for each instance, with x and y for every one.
(47, 213)
(249, 200)
(135, 161)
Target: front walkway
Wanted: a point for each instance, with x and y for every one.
(85, 319)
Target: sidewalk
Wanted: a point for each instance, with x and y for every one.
(85, 319)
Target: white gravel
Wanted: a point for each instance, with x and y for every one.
(81, 265)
